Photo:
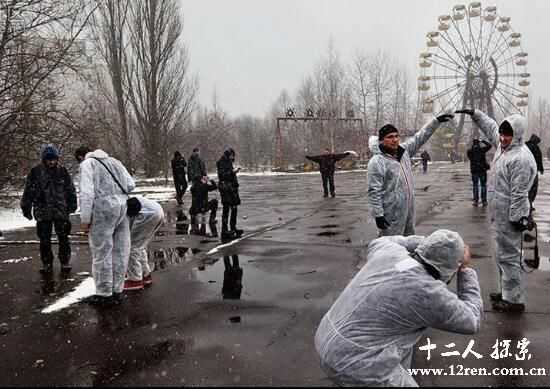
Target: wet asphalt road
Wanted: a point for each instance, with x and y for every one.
(182, 331)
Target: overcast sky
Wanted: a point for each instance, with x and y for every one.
(249, 50)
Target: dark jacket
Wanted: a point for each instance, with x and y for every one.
(50, 193)
(533, 145)
(199, 193)
(196, 169)
(425, 156)
(327, 162)
(476, 155)
(227, 182)
(178, 168)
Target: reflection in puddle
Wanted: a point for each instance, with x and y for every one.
(328, 233)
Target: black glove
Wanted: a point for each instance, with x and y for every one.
(466, 111)
(27, 214)
(445, 117)
(382, 223)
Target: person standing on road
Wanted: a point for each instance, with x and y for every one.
(50, 195)
(368, 335)
(425, 159)
(533, 145)
(390, 179)
(103, 216)
(178, 172)
(327, 166)
(478, 170)
(228, 184)
(196, 168)
(513, 173)
(142, 231)
(201, 206)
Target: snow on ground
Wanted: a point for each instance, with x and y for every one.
(12, 219)
(17, 260)
(85, 289)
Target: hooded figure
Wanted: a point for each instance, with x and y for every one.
(178, 172)
(51, 196)
(533, 145)
(509, 183)
(142, 232)
(390, 179)
(103, 212)
(368, 335)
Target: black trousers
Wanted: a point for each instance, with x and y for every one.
(227, 209)
(181, 187)
(328, 180)
(44, 232)
(534, 189)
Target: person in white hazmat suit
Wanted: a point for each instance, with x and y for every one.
(142, 231)
(368, 335)
(390, 180)
(514, 171)
(103, 217)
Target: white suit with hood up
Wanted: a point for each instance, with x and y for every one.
(390, 182)
(368, 335)
(142, 232)
(512, 175)
(103, 205)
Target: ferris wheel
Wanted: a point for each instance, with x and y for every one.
(474, 59)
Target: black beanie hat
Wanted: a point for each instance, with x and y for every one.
(506, 129)
(387, 129)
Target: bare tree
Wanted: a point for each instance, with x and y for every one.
(38, 52)
(160, 90)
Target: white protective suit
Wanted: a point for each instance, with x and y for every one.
(368, 335)
(512, 174)
(103, 204)
(142, 231)
(390, 182)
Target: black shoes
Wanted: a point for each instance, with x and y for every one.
(495, 296)
(505, 306)
(104, 301)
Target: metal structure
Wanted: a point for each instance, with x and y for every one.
(309, 116)
(473, 59)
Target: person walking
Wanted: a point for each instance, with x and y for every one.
(478, 170)
(50, 197)
(425, 159)
(178, 172)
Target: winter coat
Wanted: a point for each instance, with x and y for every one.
(476, 155)
(178, 169)
(533, 145)
(327, 162)
(368, 335)
(425, 156)
(390, 182)
(196, 169)
(199, 192)
(50, 193)
(227, 182)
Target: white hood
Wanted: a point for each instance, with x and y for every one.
(99, 154)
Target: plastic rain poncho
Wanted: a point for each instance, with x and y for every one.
(514, 170)
(103, 204)
(390, 182)
(142, 231)
(368, 335)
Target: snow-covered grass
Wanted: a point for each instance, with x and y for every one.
(12, 219)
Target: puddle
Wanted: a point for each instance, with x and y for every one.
(238, 277)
